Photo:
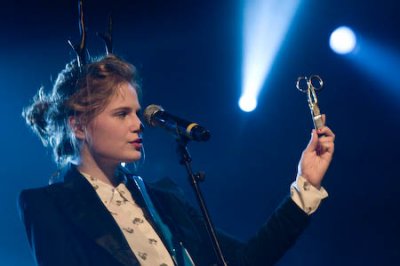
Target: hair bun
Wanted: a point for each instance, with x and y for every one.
(35, 114)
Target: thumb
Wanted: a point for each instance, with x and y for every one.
(313, 144)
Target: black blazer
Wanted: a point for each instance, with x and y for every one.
(67, 224)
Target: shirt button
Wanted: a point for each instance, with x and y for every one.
(306, 186)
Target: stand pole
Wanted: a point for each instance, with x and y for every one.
(194, 179)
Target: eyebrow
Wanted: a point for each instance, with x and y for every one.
(126, 108)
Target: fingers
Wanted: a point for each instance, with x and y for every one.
(312, 145)
(326, 132)
(326, 140)
(326, 146)
(321, 141)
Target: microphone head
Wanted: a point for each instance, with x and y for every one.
(149, 112)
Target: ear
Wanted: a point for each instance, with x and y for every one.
(76, 127)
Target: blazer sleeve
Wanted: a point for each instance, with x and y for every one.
(49, 237)
(273, 239)
(271, 242)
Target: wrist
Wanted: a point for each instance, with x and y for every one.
(306, 196)
(316, 184)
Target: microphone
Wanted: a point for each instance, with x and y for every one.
(155, 116)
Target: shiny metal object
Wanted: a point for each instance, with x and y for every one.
(310, 86)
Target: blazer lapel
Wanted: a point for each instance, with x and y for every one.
(164, 198)
(80, 203)
(137, 191)
(137, 195)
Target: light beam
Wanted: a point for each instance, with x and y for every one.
(264, 28)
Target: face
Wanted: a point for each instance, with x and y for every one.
(114, 135)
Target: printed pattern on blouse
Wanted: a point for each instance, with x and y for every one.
(140, 235)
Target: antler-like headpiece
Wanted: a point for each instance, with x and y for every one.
(107, 37)
(80, 49)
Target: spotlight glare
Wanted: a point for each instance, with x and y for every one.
(247, 103)
(380, 62)
(342, 40)
(265, 24)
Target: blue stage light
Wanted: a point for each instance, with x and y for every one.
(379, 62)
(247, 103)
(264, 27)
(342, 40)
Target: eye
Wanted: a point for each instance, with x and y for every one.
(122, 114)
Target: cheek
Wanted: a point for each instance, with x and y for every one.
(107, 135)
(95, 135)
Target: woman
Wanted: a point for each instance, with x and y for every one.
(97, 213)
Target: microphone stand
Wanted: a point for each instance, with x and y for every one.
(194, 179)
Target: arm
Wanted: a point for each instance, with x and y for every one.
(272, 241)
(306, 191)
(280, 232)
(287, 223)
(274, 238)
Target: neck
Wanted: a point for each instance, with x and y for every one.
(98, 168)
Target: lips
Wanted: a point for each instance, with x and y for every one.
(137, 143)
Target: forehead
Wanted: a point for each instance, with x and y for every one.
(125, 96)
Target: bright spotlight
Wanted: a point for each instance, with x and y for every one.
(342, 40)
(264, 27)
(247, 103)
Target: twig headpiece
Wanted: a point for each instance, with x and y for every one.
(80, 49)
(107, 37)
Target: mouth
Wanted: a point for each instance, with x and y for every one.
(138, 140)
(137, 143)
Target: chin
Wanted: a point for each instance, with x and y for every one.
(134, 158)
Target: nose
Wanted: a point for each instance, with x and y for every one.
(136, 125)
(141, 127)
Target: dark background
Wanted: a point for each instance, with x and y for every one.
(188, 54)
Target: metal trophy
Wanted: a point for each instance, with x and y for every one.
(310, 86)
